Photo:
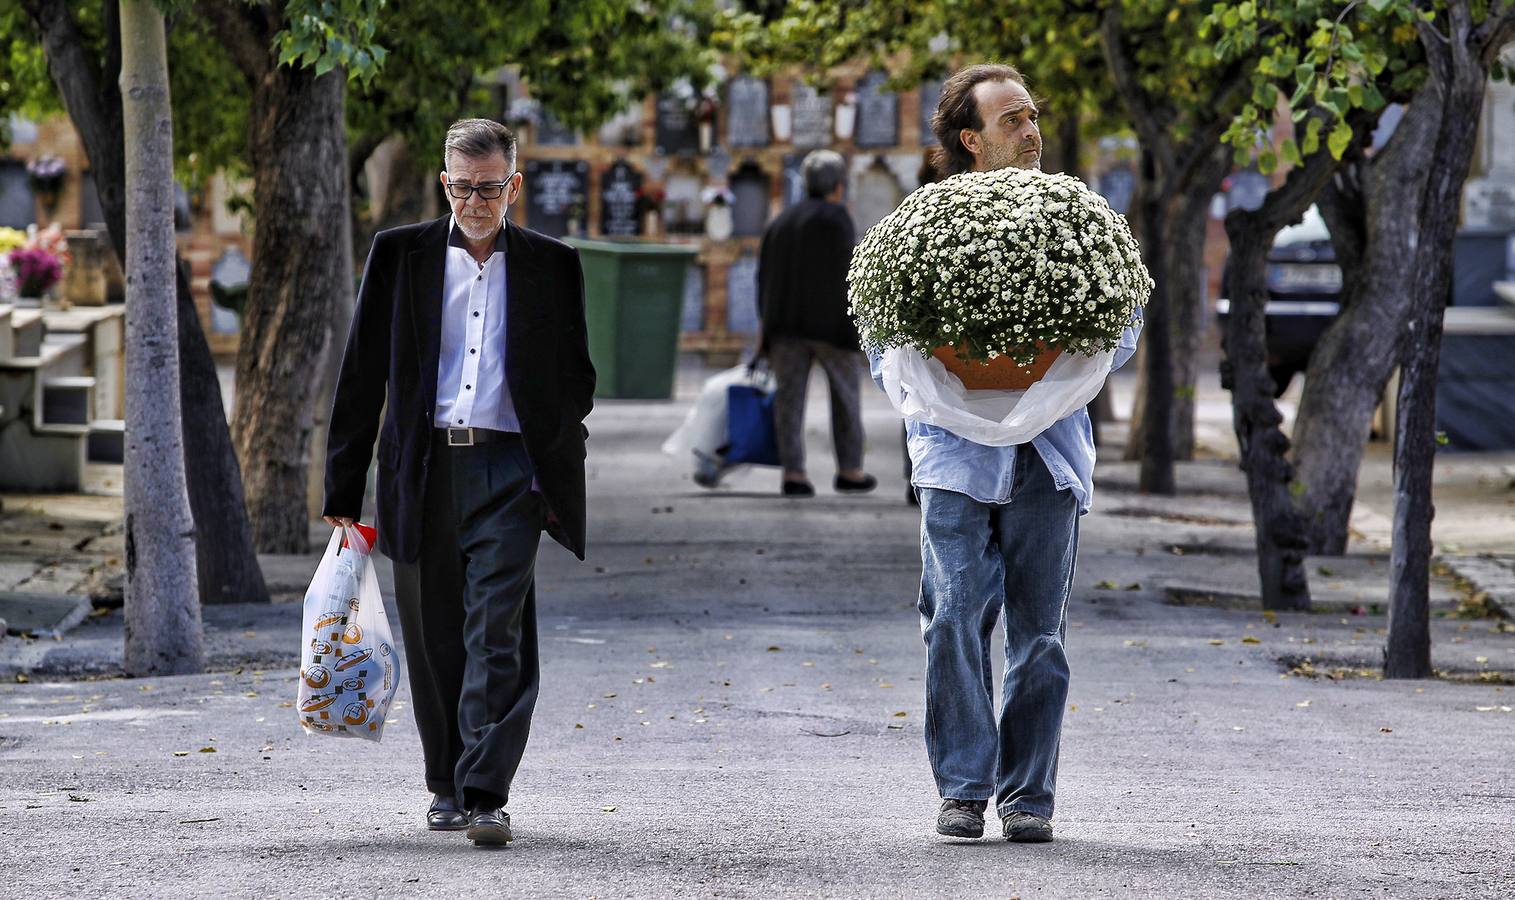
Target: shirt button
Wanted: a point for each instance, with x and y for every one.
(460, 421)
(472, 351)
(475, 315)
(467, 387)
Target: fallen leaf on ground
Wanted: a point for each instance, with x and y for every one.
(607, 809)
(1249, 639)
(1216, 642)
(901, 715)
(1386, 730)
(207, 749)
(181, 752)
(1302, 704)
(1106, 585)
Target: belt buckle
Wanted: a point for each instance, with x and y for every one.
(452, 440)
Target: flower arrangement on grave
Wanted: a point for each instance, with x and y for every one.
(46, 174)
(35, 259)
(1009, 267)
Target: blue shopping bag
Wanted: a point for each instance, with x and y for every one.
(750, 434)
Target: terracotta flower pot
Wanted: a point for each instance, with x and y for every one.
(998, 374)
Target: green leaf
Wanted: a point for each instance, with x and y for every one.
(1267, 161)
(1290, 152)
(1341, 137)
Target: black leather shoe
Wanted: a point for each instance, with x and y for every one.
(797, 489)
(859, 486)
(445, 814)
(489, 827)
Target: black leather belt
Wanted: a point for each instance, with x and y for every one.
(467, 437)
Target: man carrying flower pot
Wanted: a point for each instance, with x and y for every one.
(999, 529)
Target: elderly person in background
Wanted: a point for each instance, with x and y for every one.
(802, 296)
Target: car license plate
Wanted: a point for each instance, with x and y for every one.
(1302, 277)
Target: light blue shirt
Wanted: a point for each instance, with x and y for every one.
(941, 459)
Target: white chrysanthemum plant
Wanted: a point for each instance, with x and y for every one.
(1013, 280)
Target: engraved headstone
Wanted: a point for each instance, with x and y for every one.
(555, 192)
(552, 133)
(878, 112)
(1489, 200)
(683, 212)
(794, 179)
(1249, 188)
(931, 94)
(812, 117)
(749, 188)
(17, 208)
(618, 200)
(676, 129)
(1117, 187)
(747, 112)
(692, 316)
(876, 191)
(741, 296)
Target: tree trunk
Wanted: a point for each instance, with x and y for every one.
(224, 557)
(1280, 534)
(1156, 474)
(1459, 72)
(301, 263)
(1373, 219)
(163, 633)
(227, 567)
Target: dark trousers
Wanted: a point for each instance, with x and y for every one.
(468, 612)
(790, 359)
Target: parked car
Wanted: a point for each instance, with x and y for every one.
(1304, 291)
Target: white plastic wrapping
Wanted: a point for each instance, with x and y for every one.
(924, 391)
(703, 432)
(349, 667)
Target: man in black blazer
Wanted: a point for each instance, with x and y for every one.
(473, 331)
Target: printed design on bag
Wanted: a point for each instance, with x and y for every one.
(352, 634)
(354, 685)
(318, 676)
(329, 619)
(352, 604)
(356, 658)
(320, 648)
(318, 703)
(385, 649)
(355, 713)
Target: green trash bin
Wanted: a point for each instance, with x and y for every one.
(633, 297)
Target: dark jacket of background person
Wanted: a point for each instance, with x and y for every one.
(395, 342)
(802, 274)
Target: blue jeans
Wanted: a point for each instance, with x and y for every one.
(977, 558)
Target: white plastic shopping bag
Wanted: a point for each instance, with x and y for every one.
(922, 390)
(704, 430)
(349, 667)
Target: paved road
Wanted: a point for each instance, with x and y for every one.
(732, 706)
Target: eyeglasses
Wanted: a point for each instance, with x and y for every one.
(488, 191)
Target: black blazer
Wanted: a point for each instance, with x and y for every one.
(393, 348)
(802, 274)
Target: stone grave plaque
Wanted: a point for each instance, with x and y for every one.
(749, 187)
(676, 129)
(812, 117)
(552, 133)
(931, 94)
(555, 192)
(17, 208)
(794, 179)
(747, 112)
(741, 296)
(618, 200)
(876, 191)
(878, 112)
(1117, 187)
(1249, 188)
(692, 316)
(683, 213)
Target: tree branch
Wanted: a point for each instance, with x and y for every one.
(243, 31)
(1142, 107)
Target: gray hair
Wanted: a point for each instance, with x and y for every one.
(479, 139)
(823, 171)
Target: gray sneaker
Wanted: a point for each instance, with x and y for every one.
(1027, 828)
(961, 818)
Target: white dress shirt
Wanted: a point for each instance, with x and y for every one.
(471, 388)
